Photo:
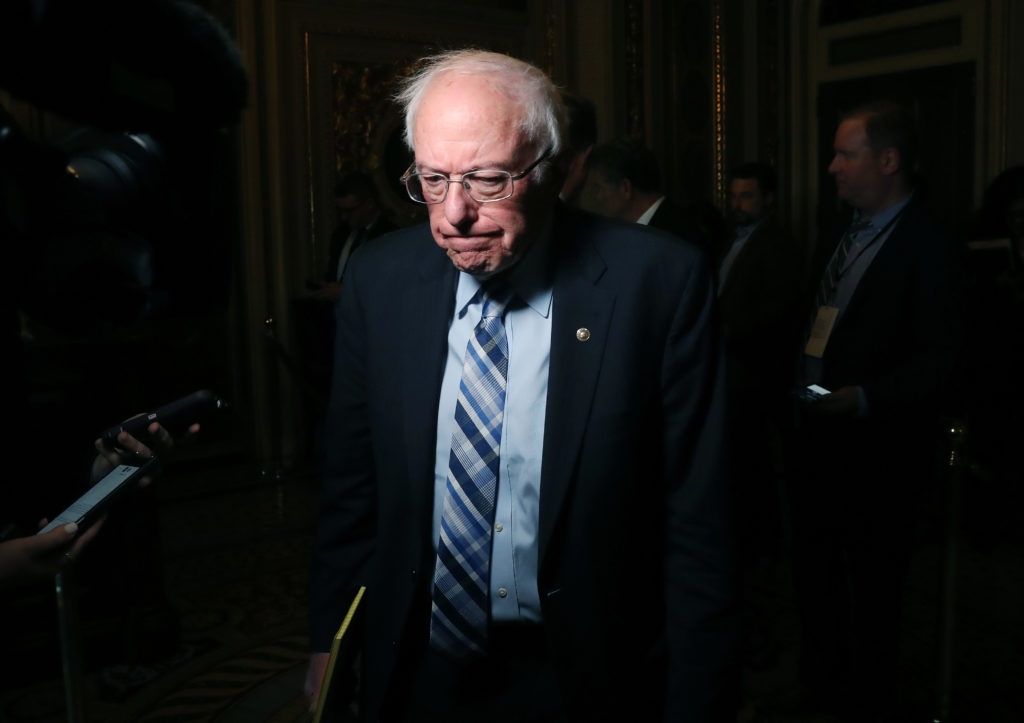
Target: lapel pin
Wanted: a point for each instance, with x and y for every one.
(583, 334)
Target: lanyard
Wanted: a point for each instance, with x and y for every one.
(850, 259)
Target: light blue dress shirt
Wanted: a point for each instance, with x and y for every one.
(514, 595)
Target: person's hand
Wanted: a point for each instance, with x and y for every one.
(130, 450)
(315, 678)
(330, 291)
(36, 556)
(843, 402)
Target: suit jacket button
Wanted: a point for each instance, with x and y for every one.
(583, 334)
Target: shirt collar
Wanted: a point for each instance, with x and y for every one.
(742, 233)
(646, 216)
(880, 219)
(529, 279)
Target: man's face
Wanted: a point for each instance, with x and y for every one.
(858, 169)
(747, 204)
(607, 198)
(464, 125)
(356, 212)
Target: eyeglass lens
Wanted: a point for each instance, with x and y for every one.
(480, 185)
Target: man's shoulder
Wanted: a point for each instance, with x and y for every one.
(922, 237)
(615, 239)
(410, 239)
(772, 226)
(683, 222)
(772, 233)
(626, 258)
(917, 218)
(397, 253)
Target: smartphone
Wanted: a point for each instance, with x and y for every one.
(812, 392)
(175, 417)
(91, 506)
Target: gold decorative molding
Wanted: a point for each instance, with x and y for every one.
(309, 146)
(361, 94)
(770, 88)
(550, 47)
(718, 89)
(634, 52)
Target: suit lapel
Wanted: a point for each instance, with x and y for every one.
(429, 300)
(747, 256)
(579, 307)
(881, 265)
(737, 264)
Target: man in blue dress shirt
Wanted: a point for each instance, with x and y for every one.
(572, 560)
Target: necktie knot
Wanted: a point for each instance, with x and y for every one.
(857, 225)
(495, 298)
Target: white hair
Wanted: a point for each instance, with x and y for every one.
(544, 116)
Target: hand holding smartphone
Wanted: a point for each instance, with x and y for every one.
(811, 393)
(90, 506)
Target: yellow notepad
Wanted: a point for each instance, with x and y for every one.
(342, 649)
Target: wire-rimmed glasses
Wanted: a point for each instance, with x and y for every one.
(483, 186)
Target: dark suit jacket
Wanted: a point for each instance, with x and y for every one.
(634, 569)
(898, 339)
(698, 223)
(900, 334)
(761, 304)
(339, 236)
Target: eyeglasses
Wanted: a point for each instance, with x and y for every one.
(482, 186)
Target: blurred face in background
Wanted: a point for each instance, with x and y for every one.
(607, 198)
(747, 204)
(861, 174)
(356, 212)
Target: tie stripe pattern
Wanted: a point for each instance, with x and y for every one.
(830, 279)
(460, 609)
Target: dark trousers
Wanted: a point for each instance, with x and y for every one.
(514, 682)
(854, 502)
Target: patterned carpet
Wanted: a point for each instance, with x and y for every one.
(235, 551)
(235, 548)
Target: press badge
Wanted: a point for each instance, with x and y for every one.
(821, 330)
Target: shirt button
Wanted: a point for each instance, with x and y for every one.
(502, 592)
(499, 527)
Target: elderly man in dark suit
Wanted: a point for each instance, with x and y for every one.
(883, 343)
(524, 439)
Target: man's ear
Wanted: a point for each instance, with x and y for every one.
(890, 161)
(581, 157)
(626, 188)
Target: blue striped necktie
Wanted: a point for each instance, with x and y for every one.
(461, 607)
(830, 279)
